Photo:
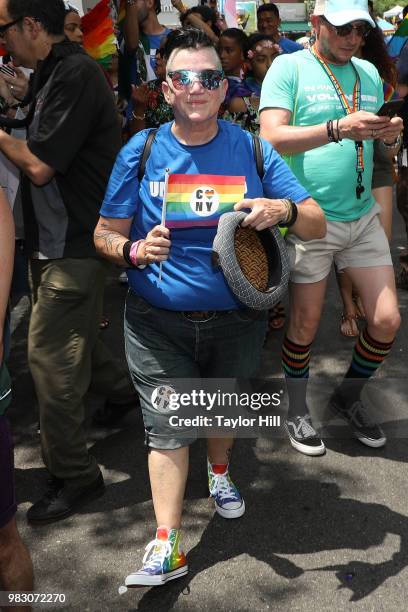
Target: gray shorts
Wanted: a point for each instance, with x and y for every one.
(350, 244)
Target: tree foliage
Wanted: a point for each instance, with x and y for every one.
(383, 5)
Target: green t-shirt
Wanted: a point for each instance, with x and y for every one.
(298, 83)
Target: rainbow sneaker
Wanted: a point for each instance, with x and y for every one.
(227, 499)
(163, 560)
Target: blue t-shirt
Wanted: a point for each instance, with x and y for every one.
(154, 45)
(289, 46)
(189, 280)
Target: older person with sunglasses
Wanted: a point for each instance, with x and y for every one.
(186, 323)
(319, 108)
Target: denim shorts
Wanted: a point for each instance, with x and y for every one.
(163, 345)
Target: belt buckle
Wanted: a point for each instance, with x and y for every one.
(199, 316)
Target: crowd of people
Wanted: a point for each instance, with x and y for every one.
(300, 125)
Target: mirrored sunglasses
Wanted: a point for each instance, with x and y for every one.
(362, 30)
(210, 79)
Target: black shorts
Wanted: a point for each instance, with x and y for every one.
(8, 505)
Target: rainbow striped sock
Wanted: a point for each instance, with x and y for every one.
(295, 363)
(368, 355)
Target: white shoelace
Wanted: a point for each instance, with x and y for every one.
(305, 427)
(159, 555)
(222, 487)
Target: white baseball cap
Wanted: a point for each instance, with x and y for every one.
(340, 12)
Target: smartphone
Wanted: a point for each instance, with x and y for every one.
(7, 70)
(390, 109)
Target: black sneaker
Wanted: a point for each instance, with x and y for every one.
(303, 436)
(60, 500)
(362, 426)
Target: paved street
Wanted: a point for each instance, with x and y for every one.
(325, 533)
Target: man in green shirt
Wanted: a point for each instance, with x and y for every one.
(318, 109)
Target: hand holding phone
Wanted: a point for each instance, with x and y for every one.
(16, 80)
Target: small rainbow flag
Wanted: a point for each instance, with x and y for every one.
(389, 92)
(198, 200)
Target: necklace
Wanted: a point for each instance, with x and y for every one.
(347, 109)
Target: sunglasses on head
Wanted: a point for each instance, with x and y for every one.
(362, 29)
(210, 79)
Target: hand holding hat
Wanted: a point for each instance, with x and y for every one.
(264, 212)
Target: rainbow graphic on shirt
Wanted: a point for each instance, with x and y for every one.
(198, 200)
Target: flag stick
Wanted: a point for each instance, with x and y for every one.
(164, 210)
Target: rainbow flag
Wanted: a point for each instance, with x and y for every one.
(99, 36)
(198, 200)
(389, 92)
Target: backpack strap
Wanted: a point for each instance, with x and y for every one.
(146, 153)
(258, 155)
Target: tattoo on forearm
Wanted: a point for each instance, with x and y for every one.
(111, 243)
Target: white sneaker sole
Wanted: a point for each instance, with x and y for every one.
(379, 443)
(371, 442)
(140, 580)
(230, 514)
(311, 451)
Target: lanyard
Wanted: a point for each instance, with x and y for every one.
(347, 109)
